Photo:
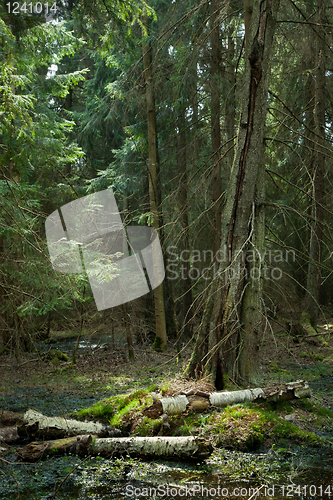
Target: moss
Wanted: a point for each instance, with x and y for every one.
(147, 427)
(238, 428)
(99, 410)
(157, 345)
(307, 323)
(245, 427)
(118, 409)
(55, 354)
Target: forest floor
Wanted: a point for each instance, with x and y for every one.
(103, 370)
(102, 374)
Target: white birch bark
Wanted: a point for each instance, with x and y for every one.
(179, 404)
(37, 424)
(175, 405)
(222, 399)
(166, 447)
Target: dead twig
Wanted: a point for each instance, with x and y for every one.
(70, 472)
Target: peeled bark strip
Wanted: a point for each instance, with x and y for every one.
(200, 401)
(36, 424)
(181, 447)
(294, 390)
(32, 452)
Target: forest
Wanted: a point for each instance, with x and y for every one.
(166, 224)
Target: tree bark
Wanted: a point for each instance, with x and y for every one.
(183, 210)
(216, 76)
(318, 173)
(35, 424)
(199, 401)
(179, 448)
(228, 336)
(37, 450)
(161, 336)
(131, 353)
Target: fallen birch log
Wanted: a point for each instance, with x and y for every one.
(180, 448)
(33, 452)
(192, 401)
(35, 424)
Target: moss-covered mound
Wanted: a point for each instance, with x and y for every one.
(119, 411)
(243, 427)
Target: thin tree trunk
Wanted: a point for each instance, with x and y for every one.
(128, 330)
(233, 310)
(215, 73)
(318, 173)
(183, 210)
(230, 104)
(161, 336)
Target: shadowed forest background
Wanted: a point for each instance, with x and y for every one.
(212, 122)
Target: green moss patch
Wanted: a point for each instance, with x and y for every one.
(119, 411)
(239, 428)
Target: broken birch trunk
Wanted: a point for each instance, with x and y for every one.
(35, 424)
(200, 401)
(181, 447)
(33, 452)
(189, 447)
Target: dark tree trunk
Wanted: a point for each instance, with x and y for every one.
(183, 210)
(318, 173)
(215, 74)
(228, 337)
(161, 336)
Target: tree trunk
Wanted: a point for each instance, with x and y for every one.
(180, 447)
(230, 104)
(183, 210)
(215, 74)
(161, 336)
(318, 173)
(131, 354)
(200, 401)
(228, 336)
(37, 450)
(35, 424)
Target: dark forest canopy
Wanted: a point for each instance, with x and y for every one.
(211, 122)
